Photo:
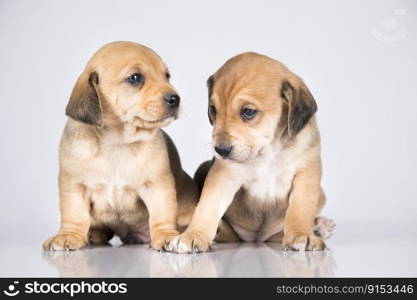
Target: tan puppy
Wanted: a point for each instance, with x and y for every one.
(119, 172)
(265, 178)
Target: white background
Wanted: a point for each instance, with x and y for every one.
(359, 59)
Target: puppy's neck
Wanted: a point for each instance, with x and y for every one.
(278, 148)
(270, 151)
(286, 148)
(132, 133)
(126, 133)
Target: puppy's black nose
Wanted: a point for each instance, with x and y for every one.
(223, 149)
(173, 100)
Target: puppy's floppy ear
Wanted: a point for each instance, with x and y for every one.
(301, 106)
(84, 104)
(210, 84)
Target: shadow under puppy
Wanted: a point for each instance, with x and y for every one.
(119, 173)
(265, 178)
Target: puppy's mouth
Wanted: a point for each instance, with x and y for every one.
(239, 156)
(233, 157)
(153, 123)
(218, 156)
(163, 119)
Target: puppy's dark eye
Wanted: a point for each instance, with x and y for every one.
(136, 79)
(248, 113)
(212, 110)
(167, 75)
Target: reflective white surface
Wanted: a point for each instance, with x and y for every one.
(374, 249)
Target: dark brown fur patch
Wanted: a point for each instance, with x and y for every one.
(84, 103)
(301, 107)
(210, 84)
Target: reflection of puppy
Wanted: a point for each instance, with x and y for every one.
(166, 264)
(269, 260)
(119, 173)
(230, 260)
(301, 264)
(131, 261)
(265, 178)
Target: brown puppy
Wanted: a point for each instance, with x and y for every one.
(265, 178)
(119, 172)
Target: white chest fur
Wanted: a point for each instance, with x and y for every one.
(271, 176)
(111, 174)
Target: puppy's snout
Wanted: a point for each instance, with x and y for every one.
(172, 100)
(223, 150)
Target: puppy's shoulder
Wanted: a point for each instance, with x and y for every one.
(305, 149)
(78, 142)
(306, 140)
(172, 152)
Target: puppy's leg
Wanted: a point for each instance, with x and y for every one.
(160, 199)
(225, 233)
(324, 227)
(187, 198)
(304, 203)
(136, 237)
(75, 219)
(219, 189)
(99, 235)
(276, 238)
(201, 174)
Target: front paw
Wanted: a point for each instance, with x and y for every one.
(190, 242)
(162, 239)
(303, 241)
(64, 241)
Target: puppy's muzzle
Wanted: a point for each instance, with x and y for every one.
(223, 150)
